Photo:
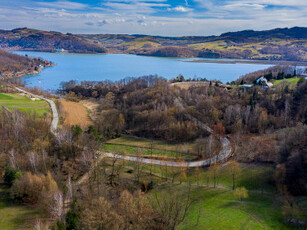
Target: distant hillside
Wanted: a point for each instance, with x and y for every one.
(277, 44)
(287, 44)
(284, 33)
(36, 40)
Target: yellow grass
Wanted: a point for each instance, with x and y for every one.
(187, 85)
(75, 114)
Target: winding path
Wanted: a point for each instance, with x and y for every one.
(223, 154)
(55, 115)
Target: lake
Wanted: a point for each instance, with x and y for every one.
(98, 67)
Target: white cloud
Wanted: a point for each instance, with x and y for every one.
(243, 6)
(63, 5)
(179, 9)
(147, 17)
(136, 6)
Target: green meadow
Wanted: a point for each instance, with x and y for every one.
(14, 216)
(22, 103)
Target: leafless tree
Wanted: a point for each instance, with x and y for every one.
(172, 208)
(56, 206)
(12, 159)
(32, 160)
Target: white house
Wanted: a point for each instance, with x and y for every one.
(60, 50)
(263, 79)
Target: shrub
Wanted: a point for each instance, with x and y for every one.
(241, 193)
(11, 175)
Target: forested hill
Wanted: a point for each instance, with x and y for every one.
(287, 44)
(13, 65)
(284, 33)
(37, 40)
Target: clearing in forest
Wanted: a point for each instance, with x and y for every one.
(141, 142)
(15, 216)
(75, 114)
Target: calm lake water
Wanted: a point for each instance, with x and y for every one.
(97, 67)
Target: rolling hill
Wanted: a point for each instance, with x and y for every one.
(285, 44)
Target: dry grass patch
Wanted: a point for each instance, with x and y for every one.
(92, 106)
(75, 114)
(187, 85)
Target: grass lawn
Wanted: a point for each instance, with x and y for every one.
(252, 177)
(13, 216)
(147, 143)
(219, 209)
(16, 101)
(293, 80)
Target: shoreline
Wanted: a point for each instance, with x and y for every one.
(260, 62)
(21, 74)
(208, 60)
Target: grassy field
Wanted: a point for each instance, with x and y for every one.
(13, 216)
(16, 101)
(291, 80)
(251, 176)
(147, 143)
(130, 150)
(218, 208)
(75, 114)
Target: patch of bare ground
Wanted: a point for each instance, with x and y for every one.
(92, 106)
(75, 114)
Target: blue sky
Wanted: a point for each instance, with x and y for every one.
(154, 17)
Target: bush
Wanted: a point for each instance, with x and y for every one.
(72, 217)
(11, 175)
(241, 193)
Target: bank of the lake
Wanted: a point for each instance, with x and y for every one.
(98, 67)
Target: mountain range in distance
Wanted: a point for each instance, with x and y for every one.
(281, 44)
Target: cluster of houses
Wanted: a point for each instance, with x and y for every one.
(29, 70)
(60, 50)
(264, 82)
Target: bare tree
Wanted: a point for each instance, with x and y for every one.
(12, 159)
(214, 170)
(138, 165)
(32, 160)
(172, 208)
(39, 225)
(44, 156)
(56, 206)
(234, 169)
